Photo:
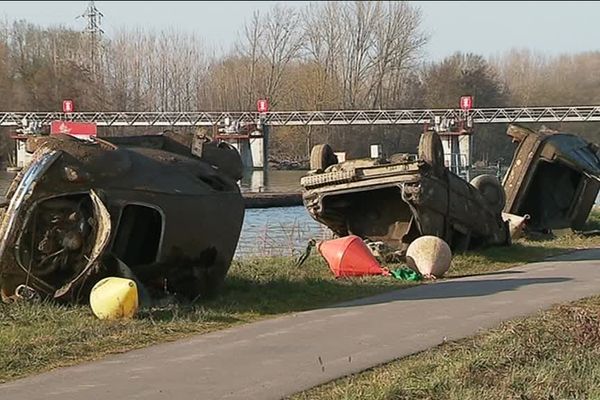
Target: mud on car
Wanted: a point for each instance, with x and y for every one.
(161, 210)
(554, 178)
(398, 199)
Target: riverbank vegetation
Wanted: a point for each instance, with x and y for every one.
(324, 56)
(40, 336)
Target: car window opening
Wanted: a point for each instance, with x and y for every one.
(138, 235)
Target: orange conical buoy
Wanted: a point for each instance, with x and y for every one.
(349, 256)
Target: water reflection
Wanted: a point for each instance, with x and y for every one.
(271, 181)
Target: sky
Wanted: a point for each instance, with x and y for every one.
(487, 28)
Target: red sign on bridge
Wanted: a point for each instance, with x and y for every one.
(466, 103)
(68, 106)
(262, 105)
(77, 129)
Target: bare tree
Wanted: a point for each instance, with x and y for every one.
(523, 72)
(250, 47)
(369, 46)
(322, 39)
(282, 43)
(271, 42)
(397, 46)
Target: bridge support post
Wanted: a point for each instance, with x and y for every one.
(465, 145)
(265, 153)
(252, 145)
(257, 150)
(259, 147)
(243, 147)
(457, 153)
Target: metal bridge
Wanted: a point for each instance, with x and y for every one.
(315, 118)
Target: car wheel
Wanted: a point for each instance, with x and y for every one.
(321, 157)
(431, 151)
(492, 191)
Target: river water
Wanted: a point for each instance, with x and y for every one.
(272, 181)
(267, 231)
(278, 230)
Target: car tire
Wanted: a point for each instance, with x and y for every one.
(492, 191)
(321, 157)
(431, 151)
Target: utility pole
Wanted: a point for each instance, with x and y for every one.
(94, 19)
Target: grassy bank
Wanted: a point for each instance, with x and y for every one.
(552, 355)
(37, 337)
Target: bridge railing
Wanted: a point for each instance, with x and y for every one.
(587, 113)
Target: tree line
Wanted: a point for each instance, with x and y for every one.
(326, 56)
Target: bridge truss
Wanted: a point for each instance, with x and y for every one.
(314, 118)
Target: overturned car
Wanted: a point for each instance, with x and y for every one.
(396, 200)
(161, 210)
(554, 178)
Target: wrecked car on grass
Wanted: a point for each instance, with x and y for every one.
(399, 199)
(554, 178)
(161, 210)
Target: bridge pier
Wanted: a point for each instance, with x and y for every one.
(252, 151)
(457, 153)
(252, 146)
(259, 150)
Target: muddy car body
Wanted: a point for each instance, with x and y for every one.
(554, 178)
(399, 200)
(149, 208)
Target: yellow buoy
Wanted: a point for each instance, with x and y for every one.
(114, 298)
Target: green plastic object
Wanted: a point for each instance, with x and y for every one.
(406, 274)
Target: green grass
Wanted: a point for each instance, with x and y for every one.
(552, 355)
(38, 337)
(522, 251)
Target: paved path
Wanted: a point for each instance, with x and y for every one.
(278, 357)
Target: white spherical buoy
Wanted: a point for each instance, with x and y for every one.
(429, 255)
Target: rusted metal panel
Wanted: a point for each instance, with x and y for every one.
(398, 201)
(554, 178)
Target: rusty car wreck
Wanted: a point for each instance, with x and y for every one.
(552, 183)
(162, 210)
(396, 200)
(554, 178)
